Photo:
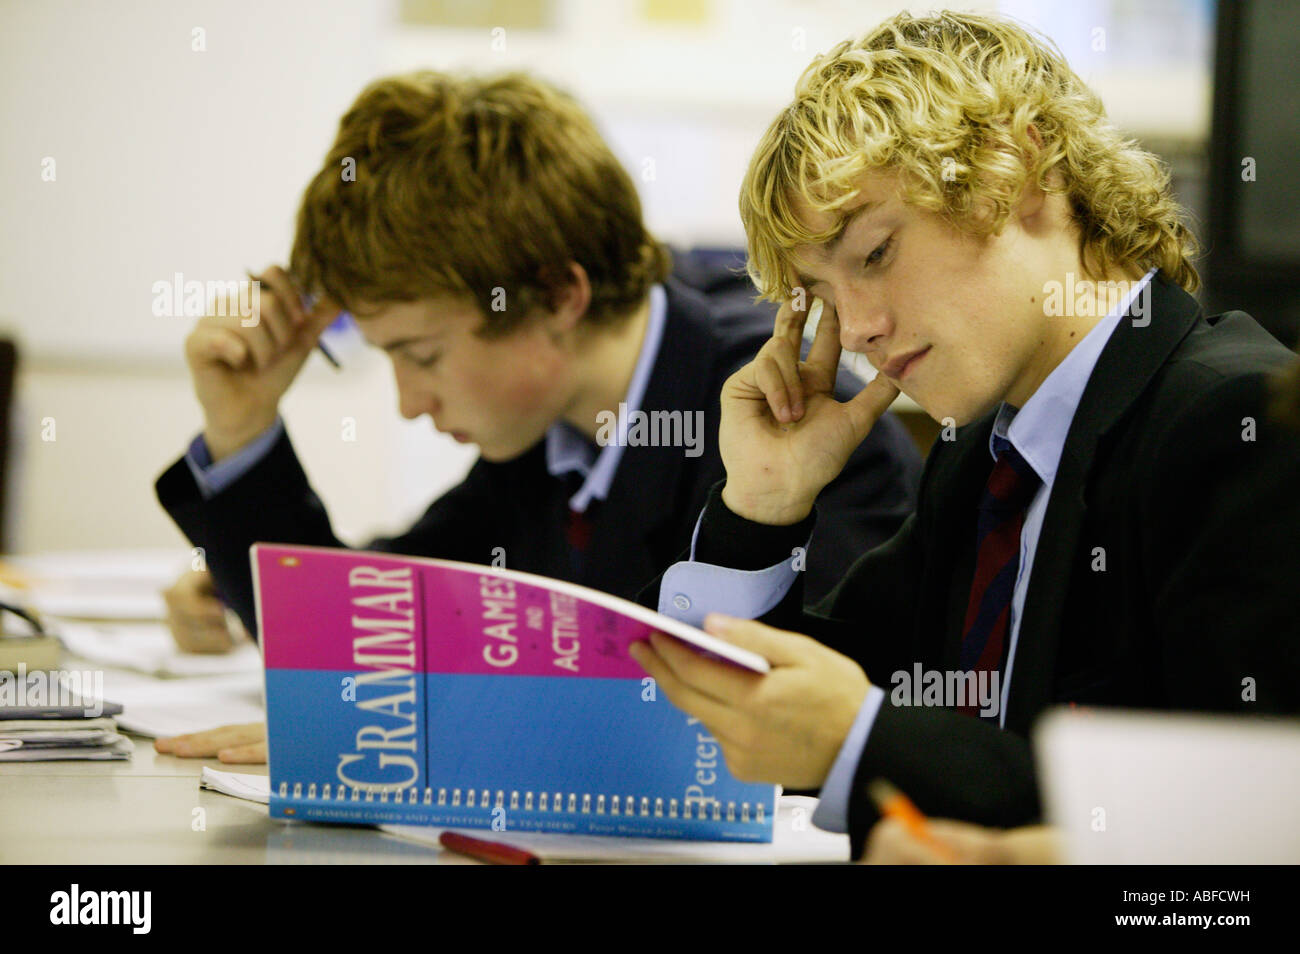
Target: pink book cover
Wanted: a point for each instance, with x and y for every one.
(492, 621)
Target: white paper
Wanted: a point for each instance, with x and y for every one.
(160, 708)
(1171, 788)
(794, 839)
(97, 584)
(254, 788)
(150, 648)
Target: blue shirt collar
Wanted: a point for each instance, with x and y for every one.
(1038, 430)
(569, 450)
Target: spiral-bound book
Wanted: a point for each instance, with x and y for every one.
(403, 690)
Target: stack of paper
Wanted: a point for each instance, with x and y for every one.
(106, 609)
(47, 740)
(42, 720)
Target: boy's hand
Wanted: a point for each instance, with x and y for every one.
(244, 744)
(890, 843)
(785, 726)
(196, 618)
(241, 366)
(784, 436)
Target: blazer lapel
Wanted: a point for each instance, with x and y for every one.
(1132, 356)
(644, 488)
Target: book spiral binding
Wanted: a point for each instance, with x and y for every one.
(548, 802)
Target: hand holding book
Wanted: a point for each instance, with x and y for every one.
(785, 727)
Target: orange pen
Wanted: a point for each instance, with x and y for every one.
(892, 803)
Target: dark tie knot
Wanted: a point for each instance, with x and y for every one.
(1013, 483)
(572, 482)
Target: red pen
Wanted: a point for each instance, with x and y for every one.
(489, 851)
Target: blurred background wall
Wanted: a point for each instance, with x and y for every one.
(180, 134)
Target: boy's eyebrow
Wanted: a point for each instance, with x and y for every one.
(402, 342)
(834, 242)
(849, 219)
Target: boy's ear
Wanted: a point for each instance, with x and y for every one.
(1032, 199)
(570, 299)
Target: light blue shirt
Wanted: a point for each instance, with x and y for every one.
(566, 449)
(1037, 431)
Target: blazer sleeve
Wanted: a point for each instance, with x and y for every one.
(873, 603)
(864, 507)
(1222, 555)
(274, 503)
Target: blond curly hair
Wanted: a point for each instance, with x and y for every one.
(947, 102)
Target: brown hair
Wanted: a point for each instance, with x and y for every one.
(947, 102)
(485, 188)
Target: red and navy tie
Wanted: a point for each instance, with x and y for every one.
(578, 530)
(985, 638)
(578, 527)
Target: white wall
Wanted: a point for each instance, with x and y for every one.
(169, 159)
(166, 159)
(116, 431)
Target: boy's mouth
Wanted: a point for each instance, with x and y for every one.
(900, 366)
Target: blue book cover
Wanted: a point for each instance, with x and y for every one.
(403, 690)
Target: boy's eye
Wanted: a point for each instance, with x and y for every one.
(428, 362)
(875, 257)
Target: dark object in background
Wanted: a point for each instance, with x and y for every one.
(8, 369)
(1285, 406)
(1252, 260)
(717, 272)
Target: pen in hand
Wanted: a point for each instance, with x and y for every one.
(891, 803)
(307, 303)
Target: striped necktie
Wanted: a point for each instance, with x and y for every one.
(578, 526)
(1011, 486)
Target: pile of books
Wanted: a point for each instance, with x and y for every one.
(45, 716)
